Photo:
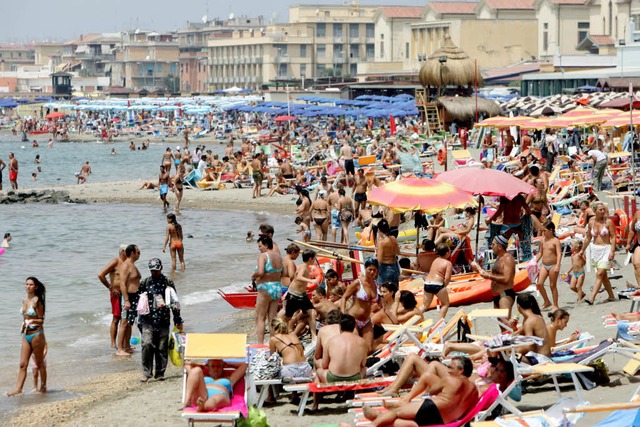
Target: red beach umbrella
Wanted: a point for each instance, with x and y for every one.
(55, 116)
(486, 182)
(284, 118)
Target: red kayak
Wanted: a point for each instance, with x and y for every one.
(466, 289)
(247, 300)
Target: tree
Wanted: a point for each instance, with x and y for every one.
(171, 83)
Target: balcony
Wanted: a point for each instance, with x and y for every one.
(338, 39)
(354, 39)
(256, 60)
(339, 57)
(283, 59)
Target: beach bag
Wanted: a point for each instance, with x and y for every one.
(255, 418)
(176, 347)
(264, 366)
(143, 304)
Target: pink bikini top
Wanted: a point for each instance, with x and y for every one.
(603, 232)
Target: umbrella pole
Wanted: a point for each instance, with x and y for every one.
(480, 204)
(417, 235)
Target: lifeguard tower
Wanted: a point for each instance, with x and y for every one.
(61, 85)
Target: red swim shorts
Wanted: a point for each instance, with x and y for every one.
(116, 308)
(13, 175)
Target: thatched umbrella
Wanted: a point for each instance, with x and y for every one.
(458, 69)
(461, 108)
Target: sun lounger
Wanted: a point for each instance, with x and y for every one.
(199, 347)
(313, 387)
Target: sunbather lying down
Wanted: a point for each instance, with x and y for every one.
(210, 386)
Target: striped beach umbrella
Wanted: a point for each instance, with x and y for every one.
(419, 194)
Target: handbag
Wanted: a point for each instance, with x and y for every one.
(264, 366)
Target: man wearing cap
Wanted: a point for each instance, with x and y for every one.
(599, 164)
(501, 275)
(156, 321)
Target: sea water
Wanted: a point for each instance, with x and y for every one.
(64, 159)
(67, 245)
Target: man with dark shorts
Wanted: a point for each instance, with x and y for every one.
(360, 191)
(387, 251)
(129, 286)
(297, 298)
(453, 395)
(113, 284)
(501, 275)
(346, 153)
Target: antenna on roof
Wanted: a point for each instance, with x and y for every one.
(231, 15)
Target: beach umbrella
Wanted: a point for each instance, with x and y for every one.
(486, 182)
(419, 194)
(55, 116)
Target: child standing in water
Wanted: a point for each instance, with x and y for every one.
(551, 256)
(174, 239)
(304, 229)
(577, 269)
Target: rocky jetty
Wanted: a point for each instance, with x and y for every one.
(37, 196)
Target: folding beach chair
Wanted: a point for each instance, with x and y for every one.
(229, 347)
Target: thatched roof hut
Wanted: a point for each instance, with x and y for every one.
(457, 70)
(463, 109)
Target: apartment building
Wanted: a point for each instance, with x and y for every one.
(319, 41)
(146, 60)
(192, 42)
(13, 56)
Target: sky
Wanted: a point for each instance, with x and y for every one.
(24, 21)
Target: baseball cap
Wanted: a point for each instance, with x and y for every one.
(155, 264)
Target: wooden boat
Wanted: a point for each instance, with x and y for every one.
(466, 289)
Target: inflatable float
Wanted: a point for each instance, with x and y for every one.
(465, 289)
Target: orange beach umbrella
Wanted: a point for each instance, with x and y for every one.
(420, 194)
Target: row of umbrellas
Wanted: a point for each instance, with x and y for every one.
(557, 104)
(452, 189)
(580, 117)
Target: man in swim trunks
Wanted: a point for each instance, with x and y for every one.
(360, 191)
(345, 355)
(13, 171)
(85, 171)
(453, 395)
(346, 153)
(297, 298)
(113, 284)
(501, 275)
(334, 207)
(155, 326)
(163, 185)
(129, 286)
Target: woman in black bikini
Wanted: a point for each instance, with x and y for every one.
(287, 344)
(320, 215)
(33, 340)
(303, 205)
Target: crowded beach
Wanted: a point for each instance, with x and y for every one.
(448, 265)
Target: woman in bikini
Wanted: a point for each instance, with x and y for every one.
(33, 340)
(267, 277)
(586, 213)
(365, 291)
(459, 232)
(551, 255)
(287, 344)
(320, 215)
(167, 159)
(633, 239)
(210, 386)
(538, 203)
(345, 206)
(303, 205)
(174, 239)
(178, 187)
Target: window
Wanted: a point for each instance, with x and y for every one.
(354, 51)
(321, 51)
(406, 51)
(354, 31)
(321, 30)
(370, 51)
(303, 70)
(321, 70)
(282, 70)
(303, 50)
(337, 51)
(173, 69)
(545, 41)
(281, 49)
(370, 31)
(353, 69)
(381, 49)
(337, 31)
(583, 31)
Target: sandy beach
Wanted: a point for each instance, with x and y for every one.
(120, 399)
